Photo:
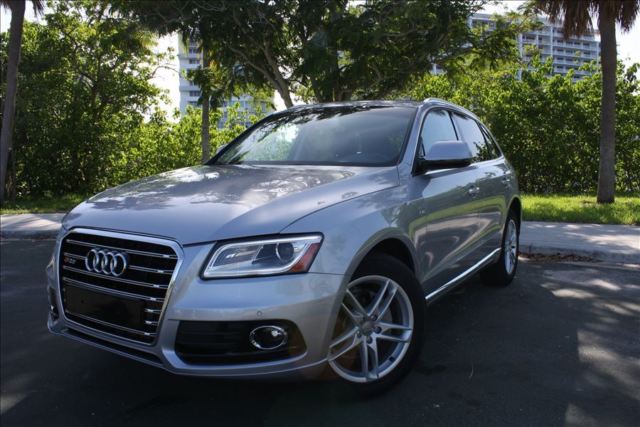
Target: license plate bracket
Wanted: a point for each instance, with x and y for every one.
(103, 307)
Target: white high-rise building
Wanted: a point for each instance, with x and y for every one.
(189, 58)
(566, 54)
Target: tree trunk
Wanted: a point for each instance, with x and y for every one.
(8, 115)
(285, 94)
(206, 102)
(204, 130)
(608, 56)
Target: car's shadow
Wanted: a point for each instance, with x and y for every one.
(491, 357)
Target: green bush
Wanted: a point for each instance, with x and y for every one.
(159, 144)
(87, 113)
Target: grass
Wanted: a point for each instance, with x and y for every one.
(557, 208)
(584, 209)
(41, 204)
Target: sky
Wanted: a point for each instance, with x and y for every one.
(167, 78)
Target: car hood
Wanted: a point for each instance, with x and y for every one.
(208, 203)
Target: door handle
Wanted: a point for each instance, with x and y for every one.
(473, 191)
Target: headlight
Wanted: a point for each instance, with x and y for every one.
(263, 257)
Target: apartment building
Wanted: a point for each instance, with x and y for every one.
(566, 55)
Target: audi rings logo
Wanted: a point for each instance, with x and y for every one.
(106, 262)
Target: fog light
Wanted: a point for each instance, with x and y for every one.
(268, 337)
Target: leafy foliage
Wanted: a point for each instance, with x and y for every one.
(548, 125)
(85, 82)
(87, 114)
(332, 50)
(160, 144)
(576, 16)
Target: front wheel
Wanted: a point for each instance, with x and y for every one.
(502, 272)
(380, 326)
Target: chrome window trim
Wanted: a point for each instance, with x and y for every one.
(420, 118)
(125, 236)
(483, 129)
(462, 276)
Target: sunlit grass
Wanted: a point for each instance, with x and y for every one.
(583, 209)
(41, 204)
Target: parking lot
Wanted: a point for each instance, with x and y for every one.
(561, 346)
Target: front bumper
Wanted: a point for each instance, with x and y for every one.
(308, 300)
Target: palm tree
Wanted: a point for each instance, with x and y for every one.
(576, 17)
(17, 8)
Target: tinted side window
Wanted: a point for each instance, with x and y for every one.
(472, 135)
(437, 127)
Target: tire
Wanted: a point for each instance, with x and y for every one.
(504, 270)
(388, 326)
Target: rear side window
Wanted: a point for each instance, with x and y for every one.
(437, 127)
(481, 148)
(490, 141)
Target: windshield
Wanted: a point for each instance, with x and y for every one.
(352, 135)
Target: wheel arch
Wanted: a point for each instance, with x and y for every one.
(516, 206)
(392, 244)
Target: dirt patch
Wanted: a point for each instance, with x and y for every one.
(556, 258)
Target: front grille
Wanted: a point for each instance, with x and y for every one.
(127, 305)
(151, 358)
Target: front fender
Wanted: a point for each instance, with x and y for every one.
(351, 229)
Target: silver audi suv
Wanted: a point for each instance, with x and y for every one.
(310, 244)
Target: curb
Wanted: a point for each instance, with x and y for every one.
(30, 226)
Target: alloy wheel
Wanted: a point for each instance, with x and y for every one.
(510, 248)
(373, 331)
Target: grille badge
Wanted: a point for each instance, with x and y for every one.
(107, 262)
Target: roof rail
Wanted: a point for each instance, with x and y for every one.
(435, 100)
(451, 104)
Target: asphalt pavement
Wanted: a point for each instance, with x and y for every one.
(560, 346)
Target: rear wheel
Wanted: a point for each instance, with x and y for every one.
(380, 325)
(502, 272)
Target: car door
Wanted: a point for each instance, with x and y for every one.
(443, 221)
(491, 178)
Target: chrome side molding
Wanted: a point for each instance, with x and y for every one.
(461, 277)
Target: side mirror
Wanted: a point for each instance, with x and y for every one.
(445, 155)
